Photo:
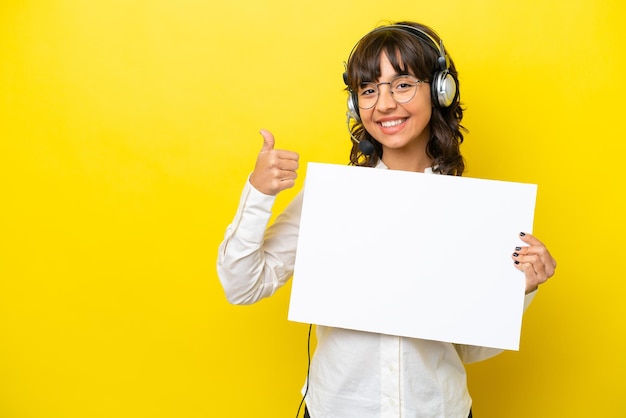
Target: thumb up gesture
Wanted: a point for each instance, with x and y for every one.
(275, 169)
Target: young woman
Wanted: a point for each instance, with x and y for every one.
(404, 103)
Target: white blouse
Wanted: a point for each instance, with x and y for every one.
(353, 373)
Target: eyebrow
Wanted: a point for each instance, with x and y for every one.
(364, 82)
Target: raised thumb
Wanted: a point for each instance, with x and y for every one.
(268, 140)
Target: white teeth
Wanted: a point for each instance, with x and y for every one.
(391, 123)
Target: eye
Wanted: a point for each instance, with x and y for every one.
(404, 83)
(368, 89)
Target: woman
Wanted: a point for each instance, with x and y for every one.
(404, 103)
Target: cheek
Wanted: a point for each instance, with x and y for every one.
(424, 107)
(366, 119)
(429, 112)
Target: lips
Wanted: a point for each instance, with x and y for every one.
(391, 123)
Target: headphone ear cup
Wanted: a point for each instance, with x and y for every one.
(353, 107)
(444, 89)
(353, 102)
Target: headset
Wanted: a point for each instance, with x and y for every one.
(443, 85)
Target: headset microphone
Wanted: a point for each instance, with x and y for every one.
(365, 146)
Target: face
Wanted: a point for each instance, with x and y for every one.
(398, 126)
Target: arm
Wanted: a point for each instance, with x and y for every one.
(252, 263)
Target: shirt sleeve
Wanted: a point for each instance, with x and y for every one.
(473, 354)
(254, 261)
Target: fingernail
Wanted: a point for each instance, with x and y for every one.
(521, 234)
(515, 254)
(518, 248)
(516, 262)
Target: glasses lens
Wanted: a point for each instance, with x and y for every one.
(368, 95)
(402, 89)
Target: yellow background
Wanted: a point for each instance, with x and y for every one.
(128, 127)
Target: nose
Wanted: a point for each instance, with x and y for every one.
(385, 97)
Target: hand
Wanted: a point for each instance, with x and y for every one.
(535, 261)
(275, 170)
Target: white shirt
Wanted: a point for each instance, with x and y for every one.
(353, 373)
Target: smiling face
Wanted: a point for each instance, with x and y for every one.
(401, 128)
(415, 133)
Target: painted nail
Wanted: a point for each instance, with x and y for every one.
(518, 248)
(516, 262)
(515, 254)
(521, 234)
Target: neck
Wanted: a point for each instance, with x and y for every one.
(402, 159)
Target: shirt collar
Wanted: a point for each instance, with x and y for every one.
(381, 164)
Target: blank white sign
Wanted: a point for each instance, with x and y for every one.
(412, 254)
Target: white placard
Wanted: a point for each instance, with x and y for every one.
(412, 254)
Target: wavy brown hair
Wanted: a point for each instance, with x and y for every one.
(407, 52)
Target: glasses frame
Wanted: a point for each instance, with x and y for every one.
(414, 79)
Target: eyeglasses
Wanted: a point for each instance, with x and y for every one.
(402, 88)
